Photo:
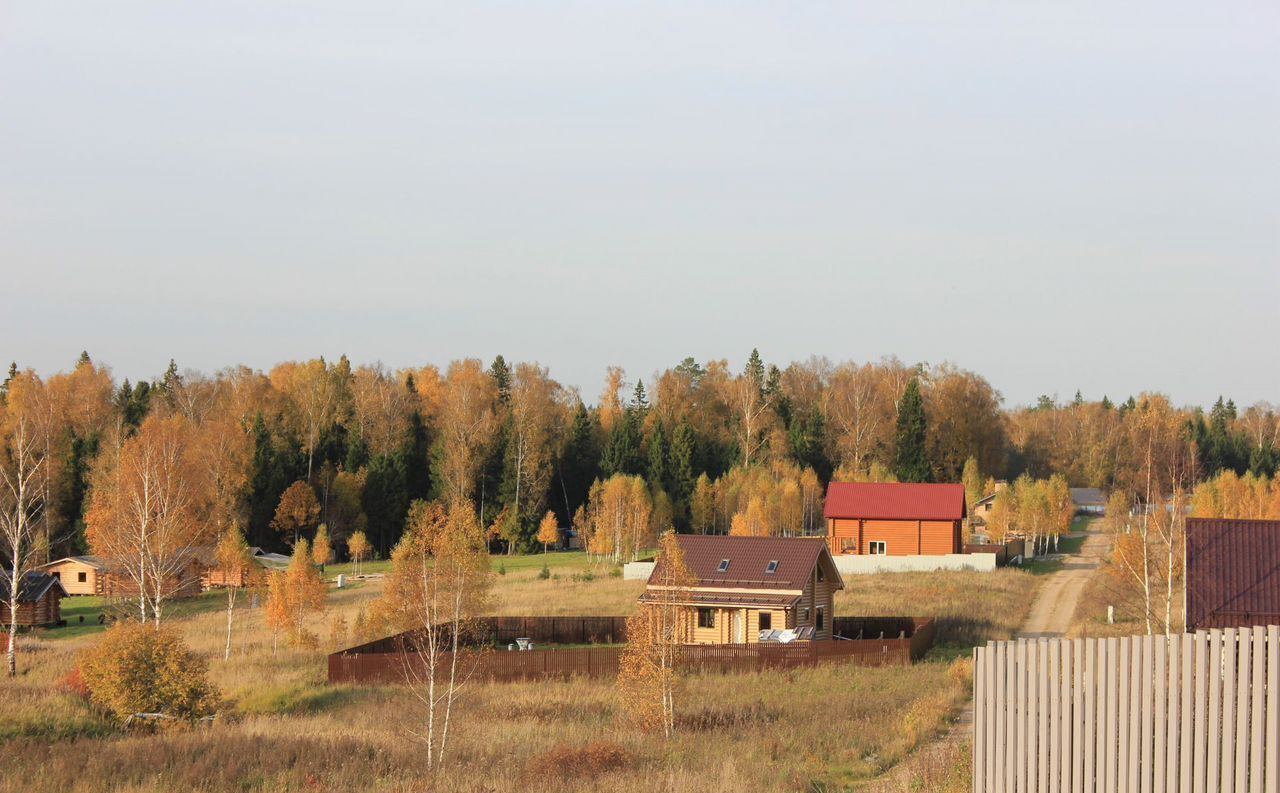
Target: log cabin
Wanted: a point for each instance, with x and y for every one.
(742, 586)
(79, 575)
(894, 519)
(39, 599)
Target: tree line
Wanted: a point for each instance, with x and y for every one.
(712, 448)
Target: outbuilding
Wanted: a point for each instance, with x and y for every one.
(79, 575)
(894, 519)
(1233, 573)
(39, 599)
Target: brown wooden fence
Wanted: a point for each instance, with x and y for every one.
(384, 662)
(1144, 714)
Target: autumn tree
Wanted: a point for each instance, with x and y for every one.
(235, 561)
(144, 512)
(648, 673)
(358, 548)
(297, 512)
(21, 461)
(703, 505)
(438, 585)
(321, 550)
(534, 415)
(618, 518)
(313, 394)
(295, 593)
(549, 530)
(466, 424)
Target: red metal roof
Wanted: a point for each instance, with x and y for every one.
(1233, 572)
(894, 501)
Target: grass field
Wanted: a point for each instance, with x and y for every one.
(283, 728)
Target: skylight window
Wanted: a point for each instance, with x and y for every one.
(772, 568)
(724, 565)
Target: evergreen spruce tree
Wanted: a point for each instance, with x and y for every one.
(659, 473)
(13, 372)
(84, 359)
(755, 369)
(622, 452)
(639, 400)
(1106, 403)
(501, 374)
(684, 461)
(578, 465)
(911, 457)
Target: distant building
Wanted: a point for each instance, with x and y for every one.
(1233, 573)
(39, 599)
(746, 585)
(865, 518)
(1089, 500)
(79, 575)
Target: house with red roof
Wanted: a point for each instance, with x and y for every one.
(894, 519)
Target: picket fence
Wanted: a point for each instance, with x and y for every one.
(1189, 713)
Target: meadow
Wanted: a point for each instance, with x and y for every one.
(284, 729)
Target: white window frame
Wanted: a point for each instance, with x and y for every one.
(883, 547)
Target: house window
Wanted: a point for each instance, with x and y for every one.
(724, 565)
(766, 620)
(57, 575)
(822, 612)
(706, 618)
(822, 574)
(849, 545)
(804, 614)
(771, 568)
(82, 577)
(877, 547)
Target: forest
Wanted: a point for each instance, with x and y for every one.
(698, 446)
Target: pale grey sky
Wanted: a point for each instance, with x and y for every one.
(1057, 195)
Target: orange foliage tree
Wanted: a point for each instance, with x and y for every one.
(298, 510)
(295, 593)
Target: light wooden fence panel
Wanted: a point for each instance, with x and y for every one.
(1192, 713)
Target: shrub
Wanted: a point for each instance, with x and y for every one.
(544, 573)
(586, 576)
(73, 683)
(138, 668)
(615, 571)
(562, 761)
(502, 568)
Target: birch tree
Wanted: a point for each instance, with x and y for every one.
(21, 501)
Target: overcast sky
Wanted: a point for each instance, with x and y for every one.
(1056, 195)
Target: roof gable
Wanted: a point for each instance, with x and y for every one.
(895, 501)
(749, 559)
(35, 585)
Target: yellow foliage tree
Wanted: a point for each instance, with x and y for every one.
(359, 549)
(321, 551)
(294, 594)
(548, 530)
(298, 510)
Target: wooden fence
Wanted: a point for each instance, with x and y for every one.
(1144, 714)
(384, 661)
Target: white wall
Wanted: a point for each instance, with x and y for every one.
(637, 571)
(859, 564)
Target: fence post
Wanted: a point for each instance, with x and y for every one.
(1227, 746)
(980, 694)
(1256, 723)
(1273, 709)
(1212, 749)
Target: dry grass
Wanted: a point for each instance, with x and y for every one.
(285, 730)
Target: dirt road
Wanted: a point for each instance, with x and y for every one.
(1055, 603)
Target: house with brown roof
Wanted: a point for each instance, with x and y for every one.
(79, 575)
(39, 599)
(749, 589)
(1232, 573)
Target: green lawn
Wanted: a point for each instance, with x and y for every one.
(554, 560)
(90, 607)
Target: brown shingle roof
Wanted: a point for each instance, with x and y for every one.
(1233, 572)
(705, 598)
(749, 557)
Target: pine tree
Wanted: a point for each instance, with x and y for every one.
(84, 359)
(1106, 403)
(13, 372)
(911, 458)
(776, 396)
(171, 383)
(579, 463)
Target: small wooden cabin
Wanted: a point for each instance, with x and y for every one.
(185, 582)
(79, 575)
(745, 585)
(39, 599)
(894, 519)
(214, 577)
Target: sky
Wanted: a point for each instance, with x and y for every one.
(1058, 196)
